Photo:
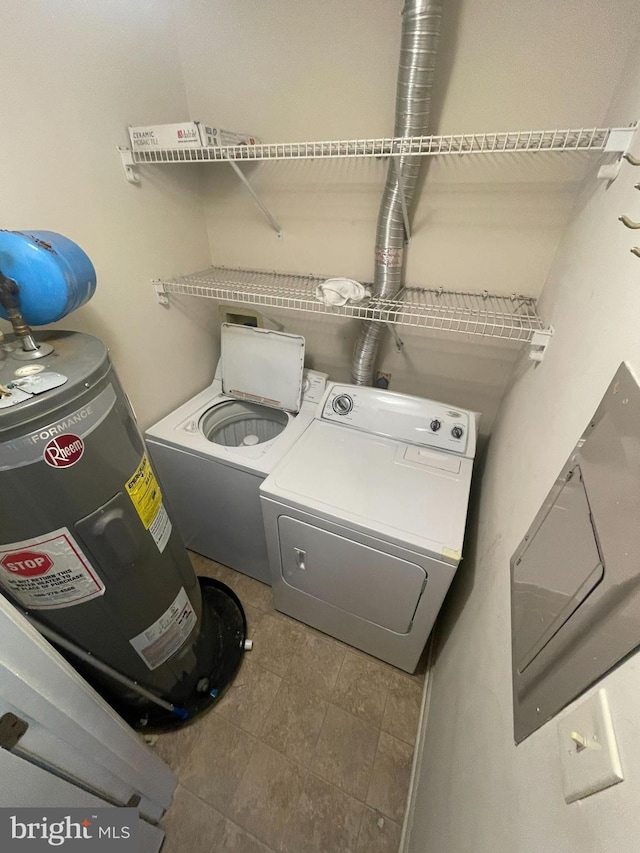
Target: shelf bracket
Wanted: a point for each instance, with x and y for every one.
(539, 342)
(256, 198)
(161, 292)
(129, 166)
(396, 337)
(403, 199)
(618, 142)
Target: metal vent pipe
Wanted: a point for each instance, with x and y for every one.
(420, 35)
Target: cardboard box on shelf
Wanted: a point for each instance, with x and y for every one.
(217, 136)
(188, 134)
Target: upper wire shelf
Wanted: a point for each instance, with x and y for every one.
(590, 139)
(490, 315)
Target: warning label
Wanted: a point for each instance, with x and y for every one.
(48, 571)
(146, 497)
(161, 528)
(167, 634)
(144, 491)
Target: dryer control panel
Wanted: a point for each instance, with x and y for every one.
(402, 417)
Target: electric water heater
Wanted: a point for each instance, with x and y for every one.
(87, 545)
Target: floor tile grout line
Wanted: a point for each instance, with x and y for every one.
(253, 746)
(299, 642)
(251, 835)
(355, 716)
(404, 811)
(386, 702)
(296, 810)
(337, 788)
(246, 832)
(333, 689)
(366, 796)
(315, 746)
(293, 654)
(215, 709)
(412, 744)
(235, 818)
(364, 808)
(365, 805)
(317, 775)
(374, 663)
(197, 796)
(185, 755)
(264, 722)
(308, 636)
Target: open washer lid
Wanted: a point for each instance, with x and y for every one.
(262, 366)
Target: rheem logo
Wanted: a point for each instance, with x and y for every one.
(64, 451)
(26, 564)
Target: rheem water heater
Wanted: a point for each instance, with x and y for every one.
(87, 545)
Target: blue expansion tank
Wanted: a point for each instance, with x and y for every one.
(52, 272)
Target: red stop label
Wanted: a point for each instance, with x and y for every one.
(26, 564)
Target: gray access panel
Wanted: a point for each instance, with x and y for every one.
(575, 577)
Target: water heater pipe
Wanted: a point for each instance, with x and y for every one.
(418, 51)
(9, 299)
(105, 669)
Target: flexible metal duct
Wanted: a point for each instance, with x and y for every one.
(420, 34)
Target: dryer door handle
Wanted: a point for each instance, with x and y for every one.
(301, 557)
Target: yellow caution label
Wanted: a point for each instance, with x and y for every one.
(144, 492)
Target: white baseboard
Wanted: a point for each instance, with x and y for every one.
(419, 749)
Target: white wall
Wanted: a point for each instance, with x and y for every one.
(75, 74)
(476, 790)
(309, 70)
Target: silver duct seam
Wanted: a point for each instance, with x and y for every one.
(418, 50)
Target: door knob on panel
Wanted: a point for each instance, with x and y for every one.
(301, 557)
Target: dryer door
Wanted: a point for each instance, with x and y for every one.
(378, 587)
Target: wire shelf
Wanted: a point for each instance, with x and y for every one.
(592, 139)
(490, 315)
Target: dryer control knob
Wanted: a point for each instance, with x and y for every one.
(342, 404)
(457, 432)
(435, 424)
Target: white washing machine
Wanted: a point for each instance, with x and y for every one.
(365, 518)
(213, 452)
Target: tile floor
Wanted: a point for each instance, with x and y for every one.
(309, 751)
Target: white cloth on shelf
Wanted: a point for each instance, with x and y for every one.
(339, 291)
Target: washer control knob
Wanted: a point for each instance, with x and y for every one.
(457, 432)
(435, 425)
(342, 404)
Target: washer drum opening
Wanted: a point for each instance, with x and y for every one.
(240, 424)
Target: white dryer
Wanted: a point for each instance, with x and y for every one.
(365, 518)
(214, 451)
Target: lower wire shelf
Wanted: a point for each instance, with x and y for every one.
(484, 314)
